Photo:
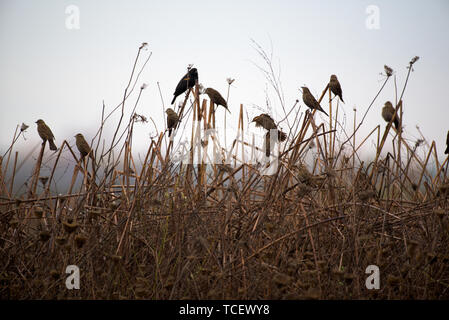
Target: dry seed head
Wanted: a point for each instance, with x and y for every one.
(348, 277)
(38, 212)
(310, 265)
(23, 127)
(80, 240)
(366, 195)
(338, 272)
(43, 180)
(282, 279)
(61, 240)
(54, 274)
(70, 226)
(393, 280)
(439, 213)
(308, 254)
(312, 294)
(116, 258)
(44, 236)
(443, 188)
(13, 222)
(414, 59)
(388, 71)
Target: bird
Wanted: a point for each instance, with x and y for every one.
(83, 146)
(335, 87)
(265, 121)
(447, 144)
(46, 134)
(388, 112)
(216, 98)
(310, 100)
(172, 120)
(188, 81)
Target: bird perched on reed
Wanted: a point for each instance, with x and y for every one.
(83, 146)
(388, 112)
(46, 134)
(265, 121)
(216, 98)
(172, 120)
(188, 81)
(335, 87)
(447, 144)
(310, 100)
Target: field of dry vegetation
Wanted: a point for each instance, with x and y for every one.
(168, 229)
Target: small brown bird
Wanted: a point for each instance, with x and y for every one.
(187, 82)
(447, 144)
(265, 121)
(83, 146)
(310, 100)
(46, 134)
(388, 112)
(216, 98)
(335, 87)
(172, 120)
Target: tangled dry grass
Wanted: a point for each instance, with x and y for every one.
(167, 230)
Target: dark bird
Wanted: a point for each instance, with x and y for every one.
(310, 100)
(265, 121)
(216, 98)
(335, 87)
(447, 144)
(187, 82)
(388, 112)
(172, 120)
(83, 146)
(46, 134)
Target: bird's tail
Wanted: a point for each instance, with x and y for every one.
(52, 145)
(396, 123)
(341, 98)
(173, 101)
(447, 150)
(282, 136)
(169, 132)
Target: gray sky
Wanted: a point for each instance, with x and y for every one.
(62, 75)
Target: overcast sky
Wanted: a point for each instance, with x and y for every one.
(50, 70)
